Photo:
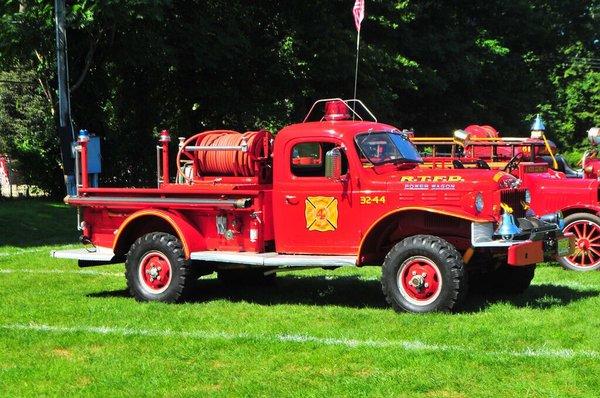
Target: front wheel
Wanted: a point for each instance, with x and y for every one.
(586, 228)
(423, 273)
(156, 268)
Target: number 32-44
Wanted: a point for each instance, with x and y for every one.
(372, 200)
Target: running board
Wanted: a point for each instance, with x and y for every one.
(87, 257)
(274, 259)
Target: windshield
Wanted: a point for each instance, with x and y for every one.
(387, 147)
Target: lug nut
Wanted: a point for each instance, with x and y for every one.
(414, 272)
(426, 284)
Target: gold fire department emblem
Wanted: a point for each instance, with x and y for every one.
(321, 213)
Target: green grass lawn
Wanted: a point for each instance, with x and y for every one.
(66, 331)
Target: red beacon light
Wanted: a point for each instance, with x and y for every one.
(336, 110)
(164, 136)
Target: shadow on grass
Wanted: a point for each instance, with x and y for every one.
(27, 223)
(354, 292)
(540, 297)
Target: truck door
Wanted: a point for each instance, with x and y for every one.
(314, 214)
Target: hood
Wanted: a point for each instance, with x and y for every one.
(459, 189)
(447, 179)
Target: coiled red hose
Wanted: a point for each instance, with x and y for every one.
(227, 162)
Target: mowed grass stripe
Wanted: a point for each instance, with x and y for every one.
(313, 333)
(96, 272)
(60, 271)
(302, 339)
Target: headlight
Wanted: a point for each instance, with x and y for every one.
(479, 204)
(527, 196)
(554, 218)
(560, 220)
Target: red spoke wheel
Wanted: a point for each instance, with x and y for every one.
(586, 228)
(157, 270)
(423, 273)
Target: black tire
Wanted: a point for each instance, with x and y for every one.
(511, 280)
(241, 277)
(593, 221)
(152, 257)
(442, 289)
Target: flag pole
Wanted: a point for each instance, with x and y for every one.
(359, 14)
(356, 71)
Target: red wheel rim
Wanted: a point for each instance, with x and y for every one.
(419, 280)
(155, 272)
(587, 244)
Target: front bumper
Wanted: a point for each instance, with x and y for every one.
(539, 241)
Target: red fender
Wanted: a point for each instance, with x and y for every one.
(188, 234)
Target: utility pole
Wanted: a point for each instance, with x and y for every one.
(65, 130)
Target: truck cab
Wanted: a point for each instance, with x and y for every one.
(341, 190)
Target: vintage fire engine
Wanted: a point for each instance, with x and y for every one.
(552, 185)
(342, 190)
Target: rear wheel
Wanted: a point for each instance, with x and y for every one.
(156, 268)
(586, 228)
(423, 273)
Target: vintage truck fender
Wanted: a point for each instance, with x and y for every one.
(372, 235)
(154, 220)
(581, 208)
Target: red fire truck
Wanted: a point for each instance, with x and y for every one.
(551, 183)
(341, 190)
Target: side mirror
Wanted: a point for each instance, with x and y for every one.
(333, 164)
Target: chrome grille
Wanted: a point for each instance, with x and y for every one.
(513, 198)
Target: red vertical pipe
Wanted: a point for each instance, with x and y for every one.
(165, 138)
(84, 163)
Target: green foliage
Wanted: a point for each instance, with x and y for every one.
(27, 131)
(573, 158)
(138, 66)
(577, 102)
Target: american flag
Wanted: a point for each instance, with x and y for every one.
(359, 13)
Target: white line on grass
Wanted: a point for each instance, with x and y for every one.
(47, 249)
(542, 352)
(59, 271)
(19, 252)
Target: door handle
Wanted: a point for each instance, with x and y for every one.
(291, 199)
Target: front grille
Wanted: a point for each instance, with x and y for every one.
(514, 198)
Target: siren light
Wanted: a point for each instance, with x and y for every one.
(336, 110)
(538, 127)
